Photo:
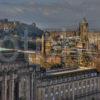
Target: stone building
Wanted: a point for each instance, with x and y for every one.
(16, 77)
(68, 85)
(23, 80)
(7, 25)
(20, 80)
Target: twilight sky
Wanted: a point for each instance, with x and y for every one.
(52, 13)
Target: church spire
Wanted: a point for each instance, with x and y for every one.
(84, 31)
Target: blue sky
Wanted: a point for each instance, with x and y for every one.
(52, 13)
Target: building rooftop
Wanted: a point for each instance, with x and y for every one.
(59, 72)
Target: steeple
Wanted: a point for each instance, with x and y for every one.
(43, 45)
(83, 27)
(84, 31)
(84, 21)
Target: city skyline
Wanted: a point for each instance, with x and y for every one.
(46, 13)
(49, 50)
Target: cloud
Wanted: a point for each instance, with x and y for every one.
(10, 9)
(51, 13)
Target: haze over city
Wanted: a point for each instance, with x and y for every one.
(49, 50)
(52, 13)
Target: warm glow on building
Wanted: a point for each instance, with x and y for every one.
(53, 59)
(34, 58)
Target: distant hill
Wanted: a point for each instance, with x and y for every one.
(16, 30)
(33, 30)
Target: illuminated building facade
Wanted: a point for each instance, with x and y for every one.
(21, 80)
(68, 85)
(7, 25)
(30, 78)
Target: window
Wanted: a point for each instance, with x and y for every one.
(71, 86)
(52, 89)
(88, 82)
(64, 79)
(66, 86)
(59, 80)
(92, 81)
(46, 90)
(80, 84)
(75, 78)
(95, 74)
(84, 83)
(96, 80)
(51, 82)
(69, 78)
(76, 85)
(54, 81)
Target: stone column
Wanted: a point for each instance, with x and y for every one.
(91, 85)
(73, 89)
(11, 89)
(83, 87)
(20, 88)
(31, 87)
(68, 90)
(94, 85)
(86, 87)
(78, 92)
(98, 84)
(4, 88)
(28, 88)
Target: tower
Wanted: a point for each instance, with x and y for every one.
(43, 45)
(83, 30)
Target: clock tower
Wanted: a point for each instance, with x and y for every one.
(83, 30)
